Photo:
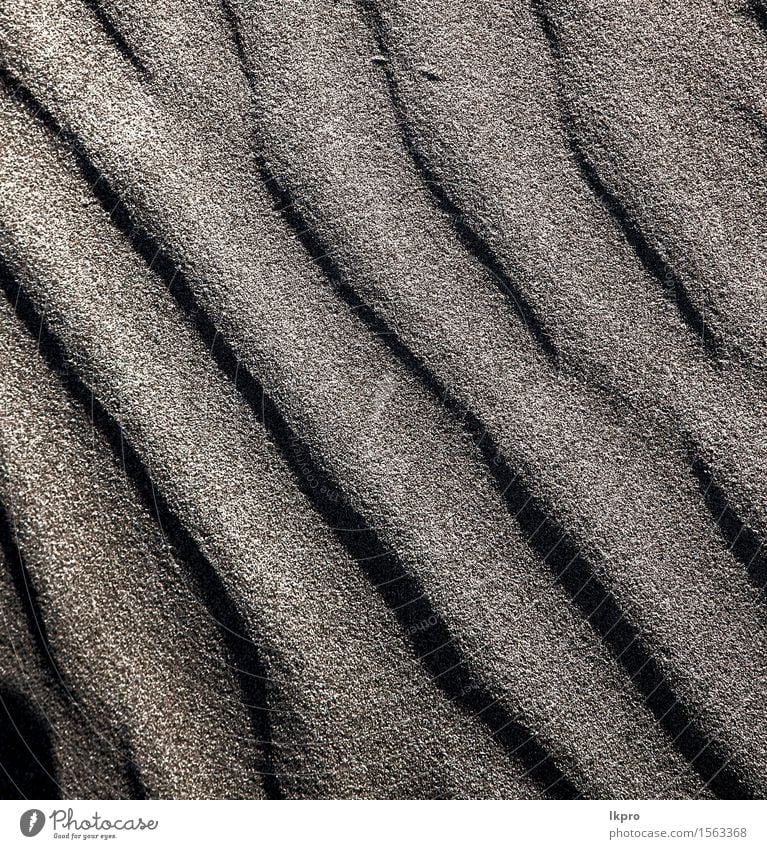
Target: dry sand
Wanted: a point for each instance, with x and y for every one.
(382, 399)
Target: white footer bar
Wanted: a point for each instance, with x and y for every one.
(362, 824)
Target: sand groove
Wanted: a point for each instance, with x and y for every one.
(375, 359)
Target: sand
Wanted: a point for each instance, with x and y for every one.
(381, 400)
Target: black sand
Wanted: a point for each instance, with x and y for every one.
(382, 399)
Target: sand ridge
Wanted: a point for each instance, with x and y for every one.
(378, 337)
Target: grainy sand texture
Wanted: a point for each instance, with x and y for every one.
(383, 399)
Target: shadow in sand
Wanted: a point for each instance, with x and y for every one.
(27, 763)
